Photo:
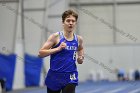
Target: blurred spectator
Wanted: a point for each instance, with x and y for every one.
(121, 74)
(137, 75)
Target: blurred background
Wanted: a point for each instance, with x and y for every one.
(110, 29)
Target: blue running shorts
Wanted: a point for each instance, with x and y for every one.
(58, 80)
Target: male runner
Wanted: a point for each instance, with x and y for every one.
(63, 47)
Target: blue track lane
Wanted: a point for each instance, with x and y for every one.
(97, 87)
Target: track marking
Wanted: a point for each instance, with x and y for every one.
(135, 91)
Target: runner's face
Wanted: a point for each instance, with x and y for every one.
(69, 23)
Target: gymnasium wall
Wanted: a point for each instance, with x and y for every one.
(104, 60)
(106, 23)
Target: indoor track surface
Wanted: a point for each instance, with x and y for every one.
(96, 87)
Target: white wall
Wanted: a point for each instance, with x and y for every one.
(128, 19)
(108, 58)
(100, 1)
(97, 23)
(8, 25)
(39, 20)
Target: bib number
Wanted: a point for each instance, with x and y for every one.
(72, 77)
(74, 55)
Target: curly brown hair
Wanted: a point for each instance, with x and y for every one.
(67, 13)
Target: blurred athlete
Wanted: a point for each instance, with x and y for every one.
(63, 47)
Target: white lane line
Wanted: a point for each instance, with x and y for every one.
(135, 91)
